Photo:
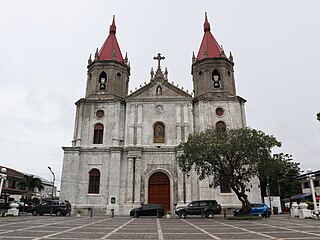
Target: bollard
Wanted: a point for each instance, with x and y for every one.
(224, 213)
(112, 212)
(91, 211)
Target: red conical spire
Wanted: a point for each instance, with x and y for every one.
(110, 50)
(209, 47)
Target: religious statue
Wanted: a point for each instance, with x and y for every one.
(102, 84)
(216, 81)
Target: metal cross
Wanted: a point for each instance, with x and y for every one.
(159, 58)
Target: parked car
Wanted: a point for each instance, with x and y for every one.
(207, 208)
(257, 209)
(148, 210)
(57, 207)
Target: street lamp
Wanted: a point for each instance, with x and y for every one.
(3, 177)
(54, 178)
(311, 177)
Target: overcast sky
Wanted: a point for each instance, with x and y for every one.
(45, 45)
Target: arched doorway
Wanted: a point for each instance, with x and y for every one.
(159, 190)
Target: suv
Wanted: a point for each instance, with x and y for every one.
(57, 207)
(208, 208)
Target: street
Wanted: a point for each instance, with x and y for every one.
(104, 227)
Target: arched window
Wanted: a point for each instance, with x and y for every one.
(216, 79)
(94, 181)
(102, 84)
(159, 133)
(221, 125)
(98, 133)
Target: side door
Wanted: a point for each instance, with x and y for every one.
(194, 208)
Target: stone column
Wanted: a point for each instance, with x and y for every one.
(139, 124)
(130, 196)
(178, 123)
(78, 124)
(137, 180)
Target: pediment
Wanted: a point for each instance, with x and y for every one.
(158, 88)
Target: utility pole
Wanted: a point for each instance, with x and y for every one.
(54, 178)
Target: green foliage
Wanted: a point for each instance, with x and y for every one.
(29, 184)
(233, 153)
(281, 172)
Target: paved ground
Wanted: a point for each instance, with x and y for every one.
(103, 227)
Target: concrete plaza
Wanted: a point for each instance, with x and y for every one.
(104, 227)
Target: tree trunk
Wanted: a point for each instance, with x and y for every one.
(242, 196)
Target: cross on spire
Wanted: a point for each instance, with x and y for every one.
(159, 58)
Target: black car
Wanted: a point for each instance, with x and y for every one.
(57, 207)
(207, 208)
(148, 210)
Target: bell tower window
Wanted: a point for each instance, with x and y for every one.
(102, 84)
(216, 79)
(98, 134)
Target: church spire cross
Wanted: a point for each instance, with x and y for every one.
(159, 58)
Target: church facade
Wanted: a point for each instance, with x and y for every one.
(124, 149)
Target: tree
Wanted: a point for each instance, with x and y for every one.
(233, 154)
(281, 172)
(29, 184)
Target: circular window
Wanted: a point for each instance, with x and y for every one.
(99, 113)
(200, 73)
(219, 111)
(119, 75)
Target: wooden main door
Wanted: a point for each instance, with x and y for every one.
(159, 190)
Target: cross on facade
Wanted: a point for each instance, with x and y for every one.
(159, 58)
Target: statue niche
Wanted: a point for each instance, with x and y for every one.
(102, 84)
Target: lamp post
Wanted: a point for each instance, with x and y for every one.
(269, 195)
(54, 178)
(311, 177)
(3, 177)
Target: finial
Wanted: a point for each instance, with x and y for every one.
(193, 58)
(126, 59)
(231, 57)
(206, 24)
(96, 55)
(222, 54)
(89, 60)
(166, 73)
(113, 27)
(152, 73)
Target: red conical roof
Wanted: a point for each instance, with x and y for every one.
(110, 50)
(209, 47)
